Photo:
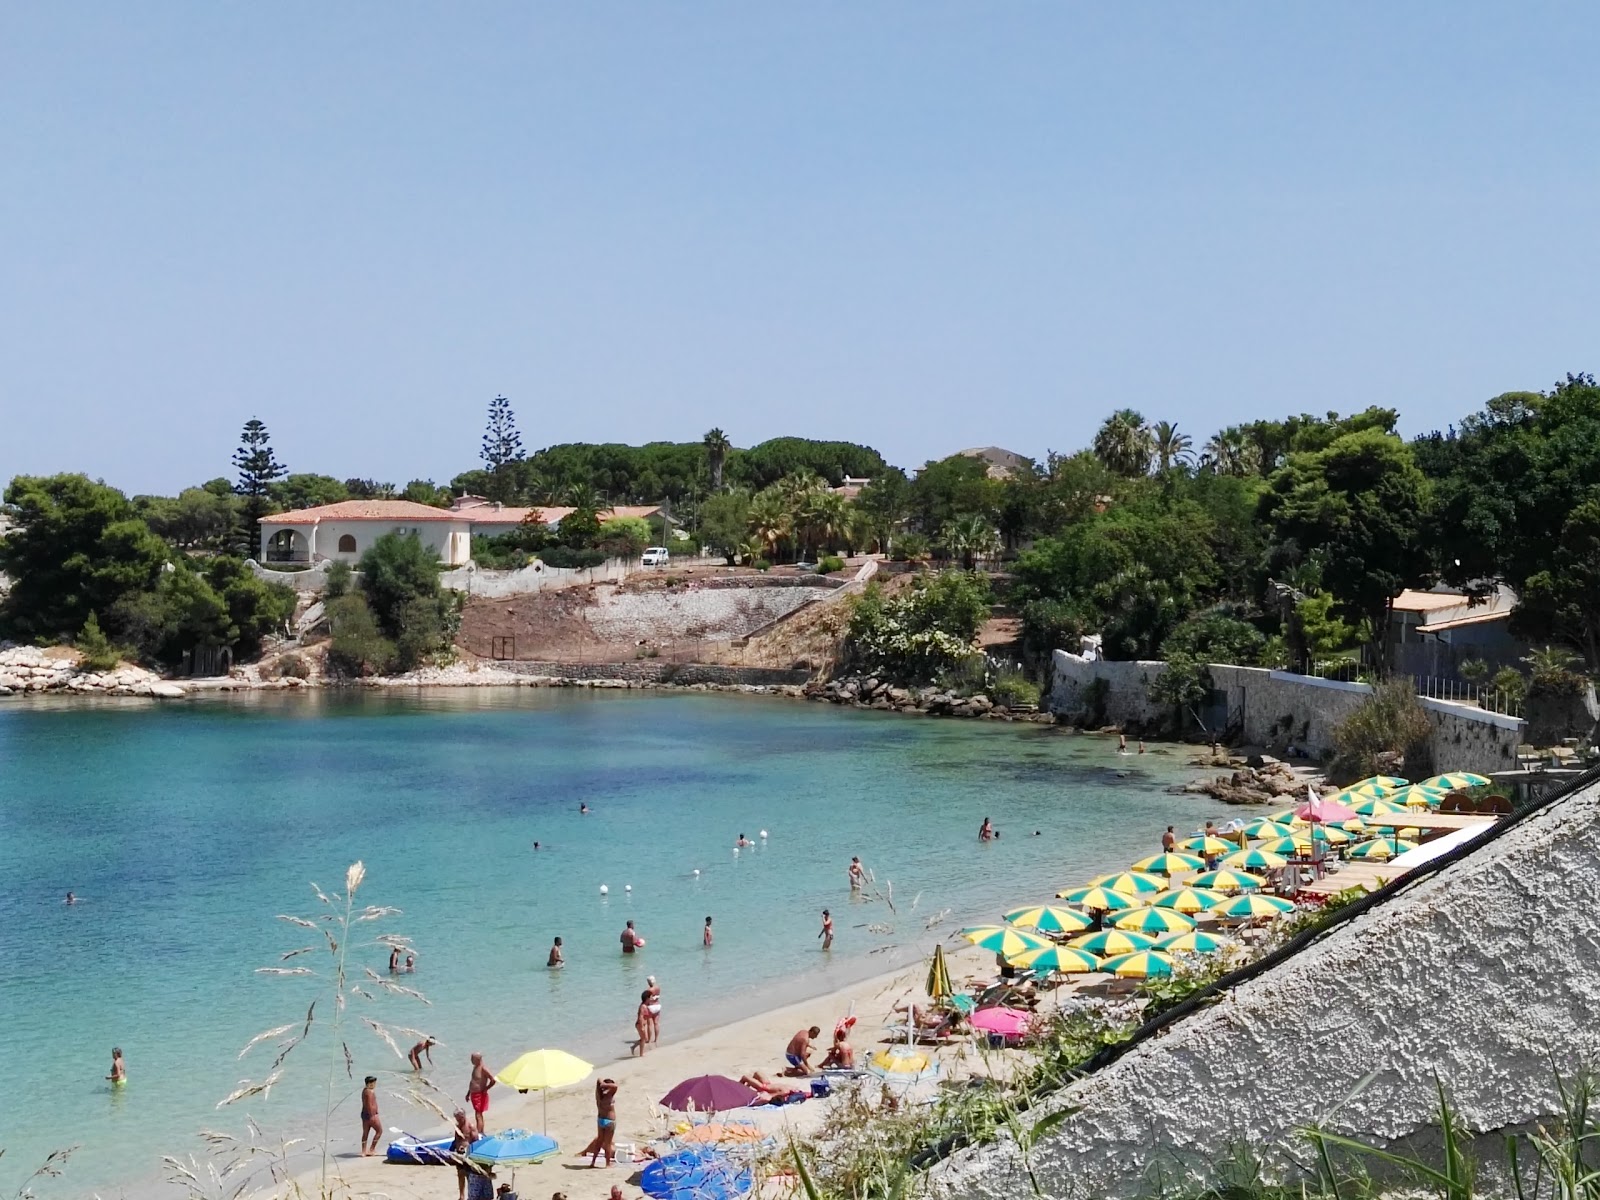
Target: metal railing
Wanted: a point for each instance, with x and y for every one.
(1431, 687)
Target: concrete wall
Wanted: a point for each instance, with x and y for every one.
(1482, 973)
(312, 579)
(649, 671)
(535, 577)
(1278, 709)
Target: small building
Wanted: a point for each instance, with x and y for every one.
(1001, 463)
(343, 532)
(1433, 633)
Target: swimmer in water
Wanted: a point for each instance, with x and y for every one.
(394, 960)
(583, 808)
(119, 1069)
(705, 939)
(536, 845)
(71, 899)
(1122, 743)
(858, 874)
(742, 842)
(826, 933)
(556, 959)
(985, 831)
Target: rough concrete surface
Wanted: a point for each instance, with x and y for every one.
(1484, 973)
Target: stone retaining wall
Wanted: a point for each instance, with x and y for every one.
(1276, 708)
(650, 671)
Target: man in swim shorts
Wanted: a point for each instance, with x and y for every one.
(798, 1053)
(371, 1124)
(631, 941)
(478, 1089)
(556, 959)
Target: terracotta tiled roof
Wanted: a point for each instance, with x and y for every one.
(488, 514)
(1410, 601)
(364, 510)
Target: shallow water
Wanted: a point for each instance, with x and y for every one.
(187, 828)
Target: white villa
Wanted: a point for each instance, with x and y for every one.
(343, 532)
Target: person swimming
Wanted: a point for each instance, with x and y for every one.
(583, 808)
(71, 899)
(742, 842)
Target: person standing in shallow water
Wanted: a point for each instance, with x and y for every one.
(705, 939)
(985, 831)
(557, 958)
(119, 1069)
(858, 874)
(826, 933)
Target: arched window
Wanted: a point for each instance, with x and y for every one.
(347, 544)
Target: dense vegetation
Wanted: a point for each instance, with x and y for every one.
(1277, 541)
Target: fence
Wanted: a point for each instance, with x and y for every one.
(1432, 687)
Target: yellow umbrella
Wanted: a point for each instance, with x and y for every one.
(1379, 784)
(1417, 796)
(541, 1070)
(1188, 900)
(1265, 827)
(1097, 899)
(1209, 845)
(1192, 941)
(1255, 860)
(1003, 940)
(939, 985)
(1066, 960)
(1155, 921)
(1112, 941)
(1255, 906)
(1140, 965)
(1133, 883)
(1169, 864)
(1227, 881)
(1456, 782)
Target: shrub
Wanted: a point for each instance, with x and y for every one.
(1183, 684)
(829, 563)
(567, 558)
(624, 537)
(98, 652)
(1510, 682)
(1014, 690)
(358, 646)
(762, 564)
(339, 580)
(1553, 673)
(1474, 670)
(1389, 725)
(1216, 635)
(917, 635)
(293, 666)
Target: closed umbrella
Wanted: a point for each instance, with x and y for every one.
(708, 1093)
(939, 985)
(1112, 941)
(1047, 918)
(1154, 921)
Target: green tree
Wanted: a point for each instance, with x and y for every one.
(98, 652)
(426, 491)
(725, 523)
(1124, 443)
(77, 548)
(254, 607)
(915, 636)
(884, 504)
(624, 537)
(258, 469)
(1171, 448)
(358, 646)
(1216, 635)
(400, 584)
(308, 491)
(197, 519)
(370, 489)
(502, 451)
(949, 488)
(968, 538)
(717, 446)
(580, 528)
(1360, 502)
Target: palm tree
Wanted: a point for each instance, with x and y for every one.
(717, 446)
(1230, 452)
(1124, 443)
(1171, 447)
(822, 519)
(771, 522)
(969, 537)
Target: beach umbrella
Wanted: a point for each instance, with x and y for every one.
(1287, 846)
(1064, 960)
(1379, 784)
(1375, 807)
(1132, 883)
(1286, 817)
(1227, 881)
(1324, 812)
(1170, 864)
(902, 1065)
(1354, 825)
(1456, 781)
(1189, 900)
(1155, 921)
(1049, 919)
(1417, 796)
(1266, 827)
(1193, 941)
(939, 985)
(1209, 845)
(1007, 1022)
(708, 1093)
(511, 1148)
(1255, 860)
(1254, 905)
(1004, 940)
(1099, 899)
(1381, 848)
(1112, 941)
(1350, 797)
(1141, 965)
(542, 1070)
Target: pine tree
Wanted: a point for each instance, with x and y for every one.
(258, 469)
(502, 449)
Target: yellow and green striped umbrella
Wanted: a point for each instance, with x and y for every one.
(1209, 845)
(1287, 846)
(1350, 797)
(1189, 900)
(1227, 881)
(1065, 960)
(1154, 921)
(1132, 883)
(1286, 817)
(1254, 906)
(1456, 781)
(1169, 864)
(1417, 796)
(1193, 941)
(1380, 783)
(1265, 827)
(1254, 860)
(1004, 940)
(1381, 848)
(1374, 807)
(1098, 899)
(1140, 965)
(1047, 918)
(1112, 941)
(1356, 825)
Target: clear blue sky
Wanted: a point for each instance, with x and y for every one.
(922, 226)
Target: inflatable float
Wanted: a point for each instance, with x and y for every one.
(408, 1149)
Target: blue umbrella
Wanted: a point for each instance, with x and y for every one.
(512, 1147)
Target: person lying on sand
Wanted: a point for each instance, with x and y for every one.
(798, 1052)
(767, 1090)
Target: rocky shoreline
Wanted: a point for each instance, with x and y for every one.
(872, 692)
(27, 670)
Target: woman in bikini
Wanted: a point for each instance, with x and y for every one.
(605, 1104)
(641, 1022)
(654, 1007)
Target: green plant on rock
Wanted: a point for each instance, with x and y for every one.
(1390, 725)
(98, 652)
(916, 636)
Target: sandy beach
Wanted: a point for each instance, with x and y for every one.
(755, 1043)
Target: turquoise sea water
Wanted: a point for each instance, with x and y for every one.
(186, 828)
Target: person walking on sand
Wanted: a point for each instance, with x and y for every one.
(653, 1005)
(705, 938)
(858, 874)
(798, 1053)
(556, 959)
(478, 1086)
(631, 941)
(371, 1124)
(424, 1047)
(641, 1022)
(119, 1069)
(826, 933)
(605, 1106)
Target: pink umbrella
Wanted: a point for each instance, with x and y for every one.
(1007, 1022)
(1328, 812)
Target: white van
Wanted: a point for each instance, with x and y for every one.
(655, 556)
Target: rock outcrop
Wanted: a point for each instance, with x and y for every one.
(25, 669)
(872, 692)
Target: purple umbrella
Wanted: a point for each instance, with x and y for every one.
(708, 1093)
